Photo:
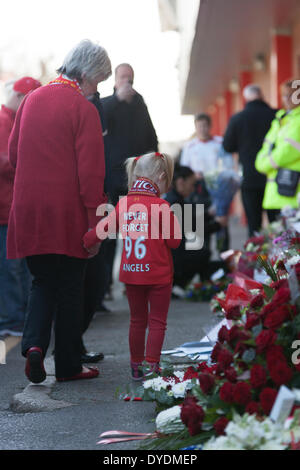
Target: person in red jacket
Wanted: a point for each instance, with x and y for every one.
(57, 149)
(149, 230)
(14, 274)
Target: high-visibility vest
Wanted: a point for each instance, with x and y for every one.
(281, 149)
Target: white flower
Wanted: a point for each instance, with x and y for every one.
(179, 374)
(169, 421)
(179, 389)
(292, 261)
(156, 384)
(246, 433)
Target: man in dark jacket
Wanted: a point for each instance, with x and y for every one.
(244, 135)
(187, 263)
(130, 129)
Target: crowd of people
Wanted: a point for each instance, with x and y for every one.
(64, 151)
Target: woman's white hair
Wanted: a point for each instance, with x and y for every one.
(86, 58)
(9, 91)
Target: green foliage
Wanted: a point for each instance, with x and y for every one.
(266, 265)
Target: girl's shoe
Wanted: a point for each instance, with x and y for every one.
(136, 371)
(152, 368)
(34, 369)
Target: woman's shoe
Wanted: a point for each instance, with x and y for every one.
(91, 373)
(34, 369)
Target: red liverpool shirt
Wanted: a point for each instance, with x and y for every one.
(149, 230)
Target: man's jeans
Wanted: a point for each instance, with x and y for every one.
(15, 282)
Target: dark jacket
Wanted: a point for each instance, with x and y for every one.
(130, 133)
(210, 224)
(245, 134)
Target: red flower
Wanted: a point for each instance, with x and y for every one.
(255, 240)
(252, 408)
(282, 296)
(233, 313)
(192, 415)
(233, 334)
(274, 354)
(207, 381)
(231, 374)
(267, 398)
(258, 376)
(240, 348)
(203, 367)
(226, 392)
(280, 372)
(264, 340)
(252, 320)
(278, 284)
(215, 352)
(220, 426)
(225, 358)
(242, 393)
(277, 317)
(223, 334)
(257, 301)
(190, 373)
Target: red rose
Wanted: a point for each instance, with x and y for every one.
(242, 393)
(203, 367)
(297, 270)
(225, 358)
(279, 284)
(277, 317)
(280, 373)
(267, 398)
(207, 381)
(223, 334)
(282, 296)
(264, 340)
(258, 376)
(252, 320)
(226, 392)
(233, 313)
(190, 373)
(215, 352)
(192, 415)
(233, 334)
(252, 408)
(240, 348)
(231, 374)
(257, 301)
(220, 426)
(267, 309)
(274, 354)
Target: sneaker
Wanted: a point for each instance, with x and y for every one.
(136, 371)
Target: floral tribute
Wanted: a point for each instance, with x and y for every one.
(251, 360)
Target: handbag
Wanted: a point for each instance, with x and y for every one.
(287, 182)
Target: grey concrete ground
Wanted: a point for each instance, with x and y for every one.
(90, 407)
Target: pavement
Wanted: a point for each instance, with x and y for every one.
(71, 415)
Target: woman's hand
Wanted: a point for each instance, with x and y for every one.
(93, 250)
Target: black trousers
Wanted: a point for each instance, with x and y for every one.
(193, 262)
(252, 202)
(96, 283)
(56, 292)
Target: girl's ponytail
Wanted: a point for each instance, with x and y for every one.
(130, 166)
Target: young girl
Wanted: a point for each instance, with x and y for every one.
(149, 230)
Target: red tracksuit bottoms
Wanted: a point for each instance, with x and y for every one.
(149, 305)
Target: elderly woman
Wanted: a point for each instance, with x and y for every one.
(279, 157)
(57, 149)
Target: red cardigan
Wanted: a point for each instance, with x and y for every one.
(57, 148)
(145, 259)
(7, 173)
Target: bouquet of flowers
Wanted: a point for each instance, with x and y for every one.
(205, 291)
(222, 187)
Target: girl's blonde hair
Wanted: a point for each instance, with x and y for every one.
(150, 165)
